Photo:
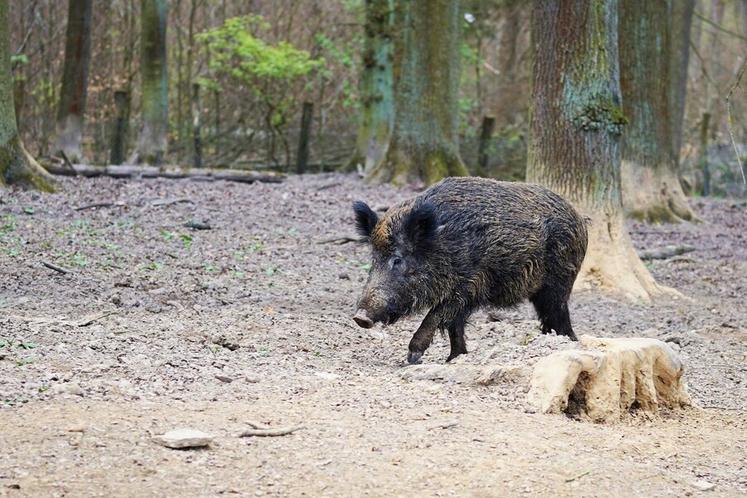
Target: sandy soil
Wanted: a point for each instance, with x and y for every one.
(159, 326)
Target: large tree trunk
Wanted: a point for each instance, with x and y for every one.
(575, 125)
(72, 107)
(650, 183)
(152, 140)
(16, 165)
(424, 144)
(376, 86)
(681, 15)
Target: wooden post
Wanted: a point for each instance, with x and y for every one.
(119, 131)
(704, 154)
(486, 133)
(197, 139)
(302, 158)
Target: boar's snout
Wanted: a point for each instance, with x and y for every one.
(362, 319)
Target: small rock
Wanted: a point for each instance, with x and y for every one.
(344, 276)
(702, 485)
(73, 389)
(198, 225)
(184, 438)
(224, 378)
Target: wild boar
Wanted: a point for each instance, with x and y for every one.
(467, 243)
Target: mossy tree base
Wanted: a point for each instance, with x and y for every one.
(17, 167)
(416, 165)
(612, 265)
(654, 195)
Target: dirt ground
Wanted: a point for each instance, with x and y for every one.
(159, 326)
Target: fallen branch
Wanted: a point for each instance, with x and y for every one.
(665, 252)
(340, 240)
(56, 268)
(198, 225)
(266, 431)
(173, 172)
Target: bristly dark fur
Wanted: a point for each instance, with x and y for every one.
(467, 243)
(365, 218)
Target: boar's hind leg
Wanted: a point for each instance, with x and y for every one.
(424, 335)
(552, 309)
(456, 337)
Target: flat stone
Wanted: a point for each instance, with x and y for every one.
(184, 438)
(702, 485)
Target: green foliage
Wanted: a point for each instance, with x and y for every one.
(236, 51)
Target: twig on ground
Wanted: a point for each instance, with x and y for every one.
(88, 321)
(169, 202)
(100, 205)
(56, 268)
(340, 240)
(445, 425)
(665, 252)
(329, 185)
(582, 474)
(261, 430)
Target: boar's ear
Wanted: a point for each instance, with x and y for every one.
(365, 218)
(420, 226)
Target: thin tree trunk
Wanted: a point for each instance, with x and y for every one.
(196, 125)
(74, 93)
(152, 141)
(120, 126)
(302, 158)
(650, 183)
(486, 133)
(16, 164)
(424, 144)
(681, 15)
(705, 167)
(509, 94)
(575, 127)
(376, 86)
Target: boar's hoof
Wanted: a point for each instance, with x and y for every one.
(414, 357)
(454, 355)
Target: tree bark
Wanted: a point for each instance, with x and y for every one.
(376, 87)
(575, 127)
(424, 146)
(152, 140)
(650, 182)
(16, 164)
(74, 92)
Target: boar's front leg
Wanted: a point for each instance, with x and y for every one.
(424, 335)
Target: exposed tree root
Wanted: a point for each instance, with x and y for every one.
(612, 265)
(654, 195)
(22, 169)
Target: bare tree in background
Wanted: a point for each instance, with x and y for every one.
(152, 141)
(16, 165)
(650, 182)
(376, 86)
(424, 144)
(575, 127)
(72, 106)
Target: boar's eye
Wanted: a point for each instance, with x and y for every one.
(396, 263)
